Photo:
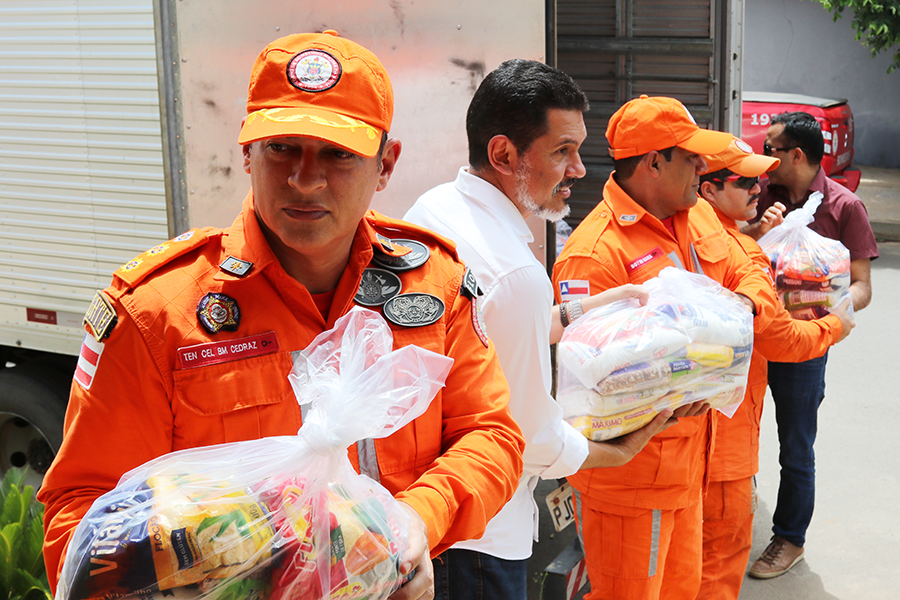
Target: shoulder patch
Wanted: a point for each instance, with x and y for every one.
(135, 270)
(478, 322)
(469, 287)
(101, 317)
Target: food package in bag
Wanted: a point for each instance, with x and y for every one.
(811, 272)
(622, 364)
(282, 517)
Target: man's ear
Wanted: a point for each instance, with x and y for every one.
(707, 191)
(650, 162)
(245, 150)
(389, 158)
(502, 155)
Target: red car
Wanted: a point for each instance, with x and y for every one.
(834, 116)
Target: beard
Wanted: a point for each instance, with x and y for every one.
(528, 202)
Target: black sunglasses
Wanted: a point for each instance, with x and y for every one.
(745, 183)
(768, 150)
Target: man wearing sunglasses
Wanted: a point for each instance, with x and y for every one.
(798, 389)
(731, 186)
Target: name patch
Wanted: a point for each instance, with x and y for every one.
(643, 260)
(213, 353)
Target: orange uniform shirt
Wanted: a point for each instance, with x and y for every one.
(457, 464)
(618, 243)
(783, 340)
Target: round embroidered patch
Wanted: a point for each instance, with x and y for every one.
(184, 236)
(158, 249)
(313, 71)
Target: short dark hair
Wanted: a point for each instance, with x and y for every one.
(625, 167)
(719, 175)
(803, 131)
(513, 100)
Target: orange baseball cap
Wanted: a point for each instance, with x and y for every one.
(646, 124)
(739, 158)
(319, 85)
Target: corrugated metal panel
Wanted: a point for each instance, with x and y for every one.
(81, 179)
(619, 49)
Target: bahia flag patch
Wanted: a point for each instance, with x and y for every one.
(573, 289)
(88, 360)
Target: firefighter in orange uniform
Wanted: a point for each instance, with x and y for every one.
(641, 524)
(731, 186)
(304, 250)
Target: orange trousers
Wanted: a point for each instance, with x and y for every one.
(727, 537)
(643, 554)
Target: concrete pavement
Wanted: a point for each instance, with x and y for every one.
(853, 543)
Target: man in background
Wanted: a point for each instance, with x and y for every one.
(799, 388)
(731, 186)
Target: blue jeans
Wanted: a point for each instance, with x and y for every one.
(797, 389)
(469, 575)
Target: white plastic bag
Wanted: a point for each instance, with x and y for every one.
(621, 364)
(275, 518)
(811, 272)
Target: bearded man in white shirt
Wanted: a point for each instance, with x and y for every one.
(525, 126)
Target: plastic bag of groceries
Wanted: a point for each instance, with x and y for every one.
(811, 272)
(275, 518)
(622, 364)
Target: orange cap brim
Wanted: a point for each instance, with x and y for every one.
(354, 135)
(706, 141)
(754, 165)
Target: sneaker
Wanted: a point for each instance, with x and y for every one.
(777, 559)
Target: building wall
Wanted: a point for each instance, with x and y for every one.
(794, 46)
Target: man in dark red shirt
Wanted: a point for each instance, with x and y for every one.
(799, 388)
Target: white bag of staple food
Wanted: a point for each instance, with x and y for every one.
(623, 363)
(811, 272)
(276, 518)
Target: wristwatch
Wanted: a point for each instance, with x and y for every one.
(575, 310)
(570, 311)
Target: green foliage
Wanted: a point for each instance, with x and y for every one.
(22, 572)
(877, 24)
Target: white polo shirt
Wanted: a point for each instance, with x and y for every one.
(492, 239)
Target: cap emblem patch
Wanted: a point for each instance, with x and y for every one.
(217, 312)
(313, 71)
(743, 146)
